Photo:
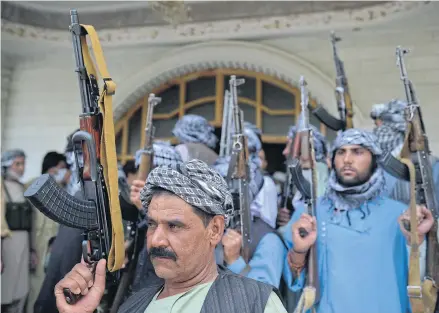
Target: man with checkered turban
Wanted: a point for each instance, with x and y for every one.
(358, 232)
(187, 209)
(197, 139)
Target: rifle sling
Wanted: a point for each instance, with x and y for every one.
(108, 148)
(423, 295)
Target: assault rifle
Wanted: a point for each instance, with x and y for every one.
(305, 140)
(343, 97)
(137, 229)
(98, 213)
(417, 168)
(238, 172)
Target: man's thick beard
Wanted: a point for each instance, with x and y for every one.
(358, 180)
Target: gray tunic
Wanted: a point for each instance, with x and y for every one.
(15, 255)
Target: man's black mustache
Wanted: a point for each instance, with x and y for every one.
(161, 252)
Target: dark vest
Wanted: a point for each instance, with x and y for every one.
(18, 214)
(229, 293)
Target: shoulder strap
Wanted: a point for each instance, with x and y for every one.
(108, 147)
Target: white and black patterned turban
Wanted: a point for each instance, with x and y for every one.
(194, 182)
(9, 156)
(391, 133)
(377, 110)
(320, 144)
(256, 177)
(164, 154)
(355, 136)
(195, 129)
(253, 133)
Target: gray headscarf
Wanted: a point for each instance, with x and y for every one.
(9, 156)
(195, 129)
(7, 160)
(256, 176)
(194, 182)
(164, 154)
(347, 198)
(252, 133)
(320, 144)
(391, 133)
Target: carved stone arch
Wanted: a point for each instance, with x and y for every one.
(234, 55)
(191, 63)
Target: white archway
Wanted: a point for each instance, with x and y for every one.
(227, 54)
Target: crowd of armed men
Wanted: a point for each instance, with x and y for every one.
(215, 233)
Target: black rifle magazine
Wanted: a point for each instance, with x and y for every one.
(394, 167)
(54, 202)
(326, 118)
(297, 178)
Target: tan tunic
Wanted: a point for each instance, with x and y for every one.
(15, 254)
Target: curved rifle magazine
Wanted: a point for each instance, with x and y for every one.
(54, 202)
(298, 180)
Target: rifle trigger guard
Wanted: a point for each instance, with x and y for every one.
(80, 136)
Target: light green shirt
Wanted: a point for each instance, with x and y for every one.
(192, 301)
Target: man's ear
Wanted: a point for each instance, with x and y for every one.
(216, 229)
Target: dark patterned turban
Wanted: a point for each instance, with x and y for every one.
(354, 136)
(195, 129)
(194, 182)
(164, 154)
(391, 133)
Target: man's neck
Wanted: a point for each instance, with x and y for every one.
(206, 275)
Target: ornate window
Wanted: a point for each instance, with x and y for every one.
(269, 103)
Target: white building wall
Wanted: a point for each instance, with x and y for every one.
(44, 103)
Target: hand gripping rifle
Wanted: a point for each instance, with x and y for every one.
(98, 213)
(343, 97)
(239, 170)
(137, 230)
(305, 140)
(415, 167)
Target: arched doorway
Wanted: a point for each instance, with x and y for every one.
(269, 103)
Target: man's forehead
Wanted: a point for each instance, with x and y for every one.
(167, 205)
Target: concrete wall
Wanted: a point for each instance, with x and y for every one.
(43, 102)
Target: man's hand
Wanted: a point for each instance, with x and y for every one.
(283, 216)
(80, 281)
(425, 221)
(232, 242)
(136, 187)
(309, 223)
